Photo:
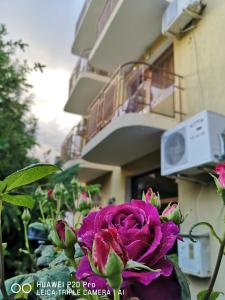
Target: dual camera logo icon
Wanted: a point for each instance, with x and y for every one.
(25, 288)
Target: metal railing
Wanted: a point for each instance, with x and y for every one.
(82, 14)
(73, 143)
(105, 15)
(82, 66)
(136, 87)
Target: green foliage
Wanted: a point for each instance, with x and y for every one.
(20, 200)
(185, 291)
(57, 274)
(17, 125)
(66, 176)
(24, 177)
(213, 296)
(29, 175)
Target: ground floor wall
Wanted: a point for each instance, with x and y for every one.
(202, 203)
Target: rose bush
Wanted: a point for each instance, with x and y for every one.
(145, 237)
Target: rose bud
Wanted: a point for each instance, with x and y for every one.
(109, 256)
(39, 193)
(64, 237)
(74, 183)
(152, 198)
(58, 190)
(50, 193)
(220, 181)
(172, 213)
(220, 170)
(83, 204)
(26, 216)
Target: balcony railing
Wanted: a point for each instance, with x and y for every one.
(73, 143)
(136, 88)
(106, 13)
(82, 66)
(82, 14)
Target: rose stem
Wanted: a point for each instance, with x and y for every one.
(26, 237)
(116, 294)
(216, 270)
(2, 277)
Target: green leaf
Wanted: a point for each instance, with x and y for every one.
(38, 226)
(29, 175)
(139, 266)
(57, 274)
(20, 279)
(20, 200)
(2, 186)
(213, 296)
(61, 258)
(217, 183)
(220, 189)
(113, 270)
(185, 291)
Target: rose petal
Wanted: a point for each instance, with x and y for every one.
(169, 237)
(86, 231)
(136, 249)
(156, 242)
(145, 277)
(149, 210)
(163, 288)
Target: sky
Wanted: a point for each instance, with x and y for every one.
(48, 26)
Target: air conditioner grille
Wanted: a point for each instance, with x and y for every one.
(175, 149)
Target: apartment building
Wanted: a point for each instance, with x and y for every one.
(131, 84)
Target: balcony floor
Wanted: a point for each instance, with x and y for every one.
(127, 138)
(87, 87)
(86, 31)
(125, 37)
(89, 171)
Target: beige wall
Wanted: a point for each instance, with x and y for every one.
(113, 185)
(200, 58)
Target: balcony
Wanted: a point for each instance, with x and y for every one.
(127, 118)
(85, 84)
(85, 32)
(73, 143)
(118, 27)
(71, 155)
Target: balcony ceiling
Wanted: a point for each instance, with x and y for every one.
(86, 34)
(127, 138)
(131, 29)
(89, 171)
(87, 87)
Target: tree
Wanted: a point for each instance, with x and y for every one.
(17, 132)
(17, 125)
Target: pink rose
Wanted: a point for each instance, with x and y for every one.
(220, 170)
(145, 238)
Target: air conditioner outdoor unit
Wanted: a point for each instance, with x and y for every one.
(198, 141)
(179, 14)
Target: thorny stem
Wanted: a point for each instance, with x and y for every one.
(216, 270)
(26, 237)
(116, 294)
(58, 206)
(41, 211)
(2, 271)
